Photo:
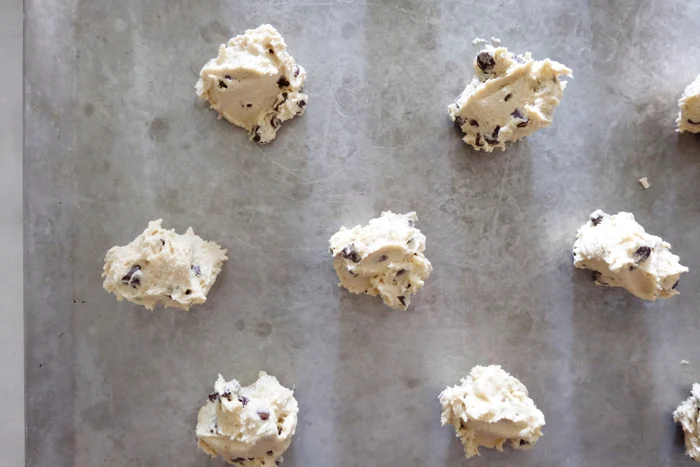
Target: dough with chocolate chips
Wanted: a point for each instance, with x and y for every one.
(622, 254)
(160, 266)
(688, 415)
(248, 426)
(689, 104)
(510, 97)
(491, 407)
(382, 258)
(254, 83)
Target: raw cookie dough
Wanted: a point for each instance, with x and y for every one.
(248, 426)
(489, 408)
(688, 415)
(160, 266)
(254, 83)
(383, 258)
(509, 98)
(622, 254)
(689, 104)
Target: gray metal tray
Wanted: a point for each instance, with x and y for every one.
(115, 137)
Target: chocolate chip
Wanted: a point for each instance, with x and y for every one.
(238, 460)
(127, 279)
(296, 70)
(196, 269)
(523, 124)
(271, 51)
(282, 82)
(222, 84)
(263, 414)
(459, 121)
(411, 223)
(226, 394)
(633, 267)
(228, 77)
(400, 272)
(162, 241)
(249, 105)
(517, 114)
(473, 123)
(188, 291)
(350, 253)
(275, 122)
(302, 103)
(284, 99)
(213, 396)
(508, 96)
(675, 285)
(523, 442)
(256, 130)
(597, 219)
(243, 400)
(269, 453)
(402, 299)
(211, 431)
(408, 286)
(693, 123)
(494, 136)
(597, 276)
(642, 254)
(485, 61)
(382, 258)
(279, 430)
(478, 140)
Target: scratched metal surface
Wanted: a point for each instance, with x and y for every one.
(116, 137)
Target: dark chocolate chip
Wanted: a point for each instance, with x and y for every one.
(675, 285)
(693, 123)
(238, 460)
(162, 241)
(642, 254)
(275, 122)
(350, 253)
(478, 140)
(188, 291)
(494, 136)
(408, 286)
(402, 299)
(127, 278)
(282, 82)
(473, 122)
(211, 431)
(597, 276)
(459, 121)
(263, 414)
(523, 442)
(485, 61)
(213, 396)
(243, 400)
(517, 114)
(269, 453)
(633, 267)
(222, 84)
(597, 219)
(170, 297)
(228, 77)
(256, 129)
(382, 258)
(524, 123)
(196, 269)
(411, 223)
(508, 96)
(302, 103)
(284, 99)
(296, 70)
(249, 105)
(271, 51)
(226, 394)
(279, 430)
(400, 272)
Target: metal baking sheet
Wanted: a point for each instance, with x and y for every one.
(115, 137)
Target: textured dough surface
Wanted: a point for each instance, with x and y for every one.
(689, 104)
(248, 426)
(491, 407)
(688, 415)
(160, 266)
(622, 254)
(254, 83)
(382, 258)
(510, 97)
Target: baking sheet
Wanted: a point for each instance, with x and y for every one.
(115, 137)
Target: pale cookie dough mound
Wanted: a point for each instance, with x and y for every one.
(489, 408)
(510, 97)
(160, 266)
(248, 426)
(622, 254)
(254, 83)
(688, 415)
(689, 104)
(383, 258)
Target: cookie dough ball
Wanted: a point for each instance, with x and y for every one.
(248, 426)
(160, 266)
(688, 415)
(622, 254)
(254, 83)
(383, 258)
(491, 407)
(510, 97)
(689, 104)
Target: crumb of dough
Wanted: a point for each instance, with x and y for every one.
(644, 182)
